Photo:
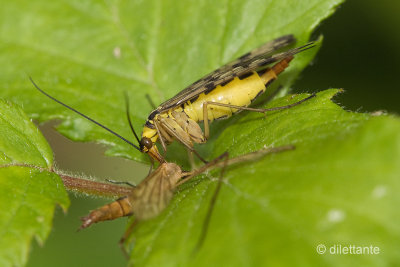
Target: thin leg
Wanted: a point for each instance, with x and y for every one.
(191, 159)
(261, 110)
(256, 155)
(216, 163)
(118, 182)
(200, 157)
(126, 235)
(174, 134)
(205, 121)
(151, 166)
(160, 136)
(207, 219)
(219, 162)
(209, 165)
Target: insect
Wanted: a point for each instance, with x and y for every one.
(153, 194)
(218, 95)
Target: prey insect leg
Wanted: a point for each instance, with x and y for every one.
(261, 110)
(224, 161)
(127, 233)
(118, 182)
(207, 219)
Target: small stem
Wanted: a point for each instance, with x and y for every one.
(94, 188)
(81, 185)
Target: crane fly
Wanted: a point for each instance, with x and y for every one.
(154, 193)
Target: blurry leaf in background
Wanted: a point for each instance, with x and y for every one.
(360, 54)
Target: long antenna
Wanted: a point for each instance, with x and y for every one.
(129, 116)
(83, 115)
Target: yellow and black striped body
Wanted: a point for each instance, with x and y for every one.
(218, 95)
(241, 91)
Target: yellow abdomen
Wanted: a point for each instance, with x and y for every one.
(237, 92)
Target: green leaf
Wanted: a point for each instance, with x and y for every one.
(89, 53)
(339, 187)
(28, 190)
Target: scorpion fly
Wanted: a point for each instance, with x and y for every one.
(154, 193)
(218, 95)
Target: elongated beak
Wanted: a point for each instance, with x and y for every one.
(153, 152)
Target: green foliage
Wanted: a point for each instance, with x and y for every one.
(338, 187)
(28, 193)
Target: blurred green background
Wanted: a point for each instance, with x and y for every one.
(360, 54)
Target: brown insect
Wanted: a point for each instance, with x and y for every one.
(153, 194)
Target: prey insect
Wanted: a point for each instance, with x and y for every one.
(218, 95)
(154, 193)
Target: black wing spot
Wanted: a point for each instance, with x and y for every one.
(209, 87)
(245, 75)
(245, 56)
(191, 101)
(237, 65)
(227, 81)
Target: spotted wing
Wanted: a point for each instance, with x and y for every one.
(256, 59)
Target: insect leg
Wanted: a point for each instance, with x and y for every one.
(205, 120)
(191, 159)
(125, 237)
(189, 146)
(118, 182)
(225, 163)
(151, 166)
(210, 165)
(261, 110)
(207, 219)
(239, 159)
(160, 135)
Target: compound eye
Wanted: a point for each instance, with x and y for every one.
(146, 142)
